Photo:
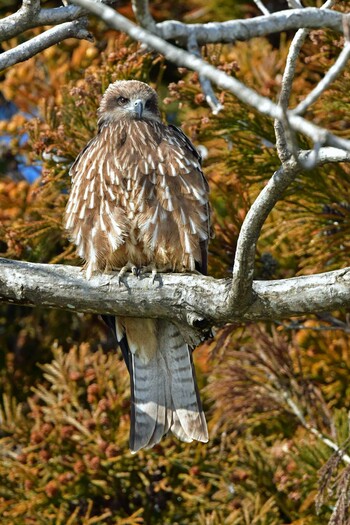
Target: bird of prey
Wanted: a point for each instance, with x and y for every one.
(139, 201)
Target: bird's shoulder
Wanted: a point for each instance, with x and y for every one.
(184, 141)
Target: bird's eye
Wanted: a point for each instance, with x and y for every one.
(148, 104)
(122, 100)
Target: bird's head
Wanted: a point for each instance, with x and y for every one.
(128, 100)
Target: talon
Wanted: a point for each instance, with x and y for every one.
(153, 276)
(136, 271)
(121, 274)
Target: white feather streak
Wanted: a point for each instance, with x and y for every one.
(82, 211)
(187, 243)
(92, 201)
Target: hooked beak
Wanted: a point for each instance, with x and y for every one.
(138, 107)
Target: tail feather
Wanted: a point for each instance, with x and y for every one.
(164, 414)
(164, 391)
(177, 429)
(186, 403)
(144, 412)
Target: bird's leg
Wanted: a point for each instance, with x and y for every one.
(122, 273)
(153, 275)
(129, 266)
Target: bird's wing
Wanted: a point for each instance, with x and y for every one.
(189, 148)
(96, 222)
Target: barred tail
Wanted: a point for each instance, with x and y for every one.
(163, 387)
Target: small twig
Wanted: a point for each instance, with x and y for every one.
(262, 7)
(294, 4)
(210, 96)
(206, 86)
(300, 326)
(329, 77)
(329, 318)
(327, 441)
(143, 15)
(47, 39)
(284, 139)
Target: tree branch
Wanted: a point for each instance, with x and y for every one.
(25, 19)
(206, 86)
(226, 32)
(143, 15)
(221, 79)
(329, 77)
(262, 7)
(284, 141)
(297, 411)
(179, 297)
(47, 39)
(241, 294)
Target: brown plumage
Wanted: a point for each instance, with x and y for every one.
(139, 200)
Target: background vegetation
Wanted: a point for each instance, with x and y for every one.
(273, 393)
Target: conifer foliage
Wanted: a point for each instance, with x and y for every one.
(276, 394)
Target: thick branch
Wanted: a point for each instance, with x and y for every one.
(176, 296)
(47, 39)
(243, 269)
(244, 264)
(221, 79)
(230, 31)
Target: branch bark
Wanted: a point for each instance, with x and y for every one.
(226, 32)
(284, 142)
(143, 15)
(175, 296)
(241, 294)
(25, 19)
